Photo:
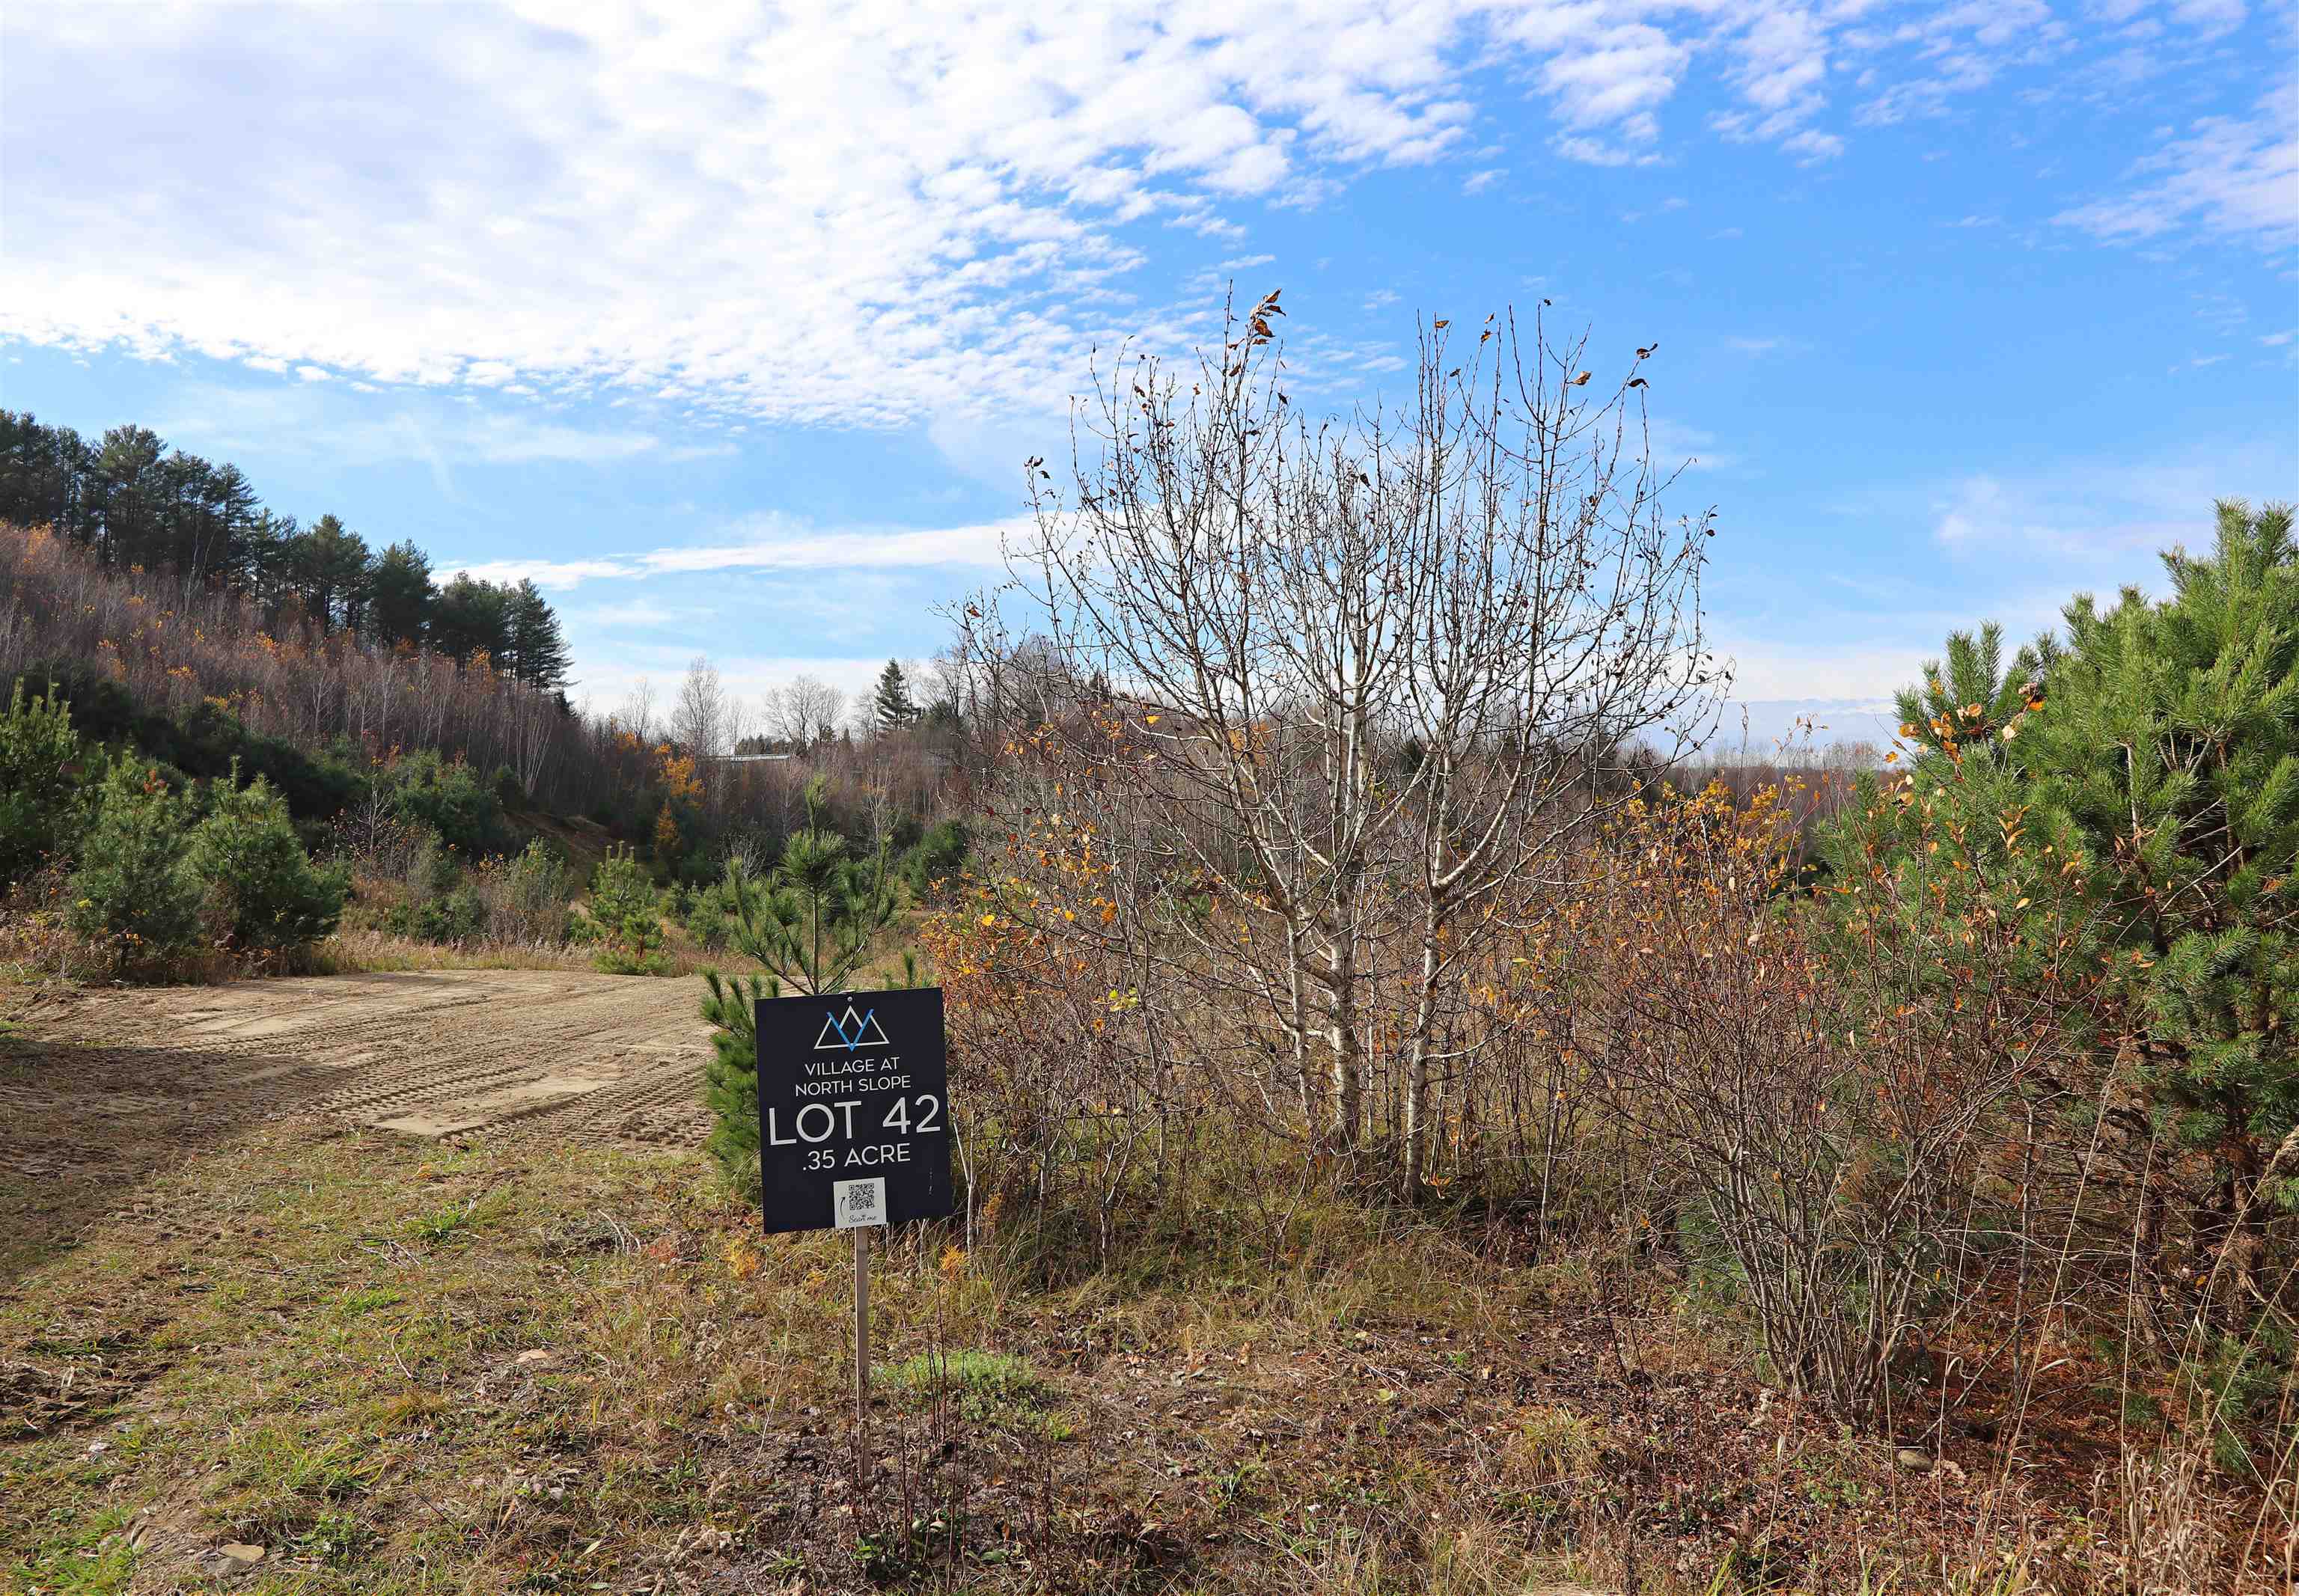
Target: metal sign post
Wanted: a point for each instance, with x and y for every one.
(853, 1131)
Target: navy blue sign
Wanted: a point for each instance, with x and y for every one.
(853, 1110)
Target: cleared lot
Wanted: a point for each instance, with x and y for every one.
(98, 1086)
(598, 1058)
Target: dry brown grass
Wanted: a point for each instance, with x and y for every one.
(289, 1336)
(369, 950)
(407, 1367)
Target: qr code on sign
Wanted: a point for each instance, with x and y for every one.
(854, 1204)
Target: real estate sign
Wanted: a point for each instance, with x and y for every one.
(853, 1110)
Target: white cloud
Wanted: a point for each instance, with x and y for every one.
(1595, 152)
(862, 215)
(1673, 202)
(2212, 17)
(2228, 177)
(214, 418)
(1963, 48)
(1676, 446)
(990, 449)
(638, 613)
(1771, 668)
(2101, 523)
(1477, 181)
(1610, 77)
(1814, 145)
(543, 573)
(979, 545)
(849, 215)
(1782, 64)
(775, 544)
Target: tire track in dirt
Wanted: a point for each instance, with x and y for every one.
(559, 1054)
(99, 1087)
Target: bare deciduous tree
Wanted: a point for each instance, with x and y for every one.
(636, 715)
(1371, 669)
(698, 721)
(532, 723)
(803, 711)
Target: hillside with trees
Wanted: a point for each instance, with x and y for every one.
(137, 505)
(164, 573)
(177, 642)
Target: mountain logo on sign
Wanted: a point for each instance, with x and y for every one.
(851, 1031)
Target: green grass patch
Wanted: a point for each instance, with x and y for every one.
(983, 1388)
(87, 1556)
(998, 1375)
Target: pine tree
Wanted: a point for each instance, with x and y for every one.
(1970, 698)
(189, 530)
(538, 650)
(327, 566)
(43, 789)
(399, 607)
(2143, 835)
(2170, 750)
(263, 560)
(43, 475)
(892, 706)
(268, 890)
(471, 617)
(237, 513)
(126, 496)
(134, 889)
(812, 924)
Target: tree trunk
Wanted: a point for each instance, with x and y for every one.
(1348, 1120)
(1416, 1069)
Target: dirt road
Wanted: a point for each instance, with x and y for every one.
(104, 1083)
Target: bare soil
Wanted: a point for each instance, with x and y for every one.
(98, 1085)
(592, 1057)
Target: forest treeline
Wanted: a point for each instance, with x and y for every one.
(185, 618)
(135, 503)
(192, 785)
(195, 676)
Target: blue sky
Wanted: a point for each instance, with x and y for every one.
(732, 325)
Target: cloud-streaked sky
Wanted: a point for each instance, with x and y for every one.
(732, 325)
